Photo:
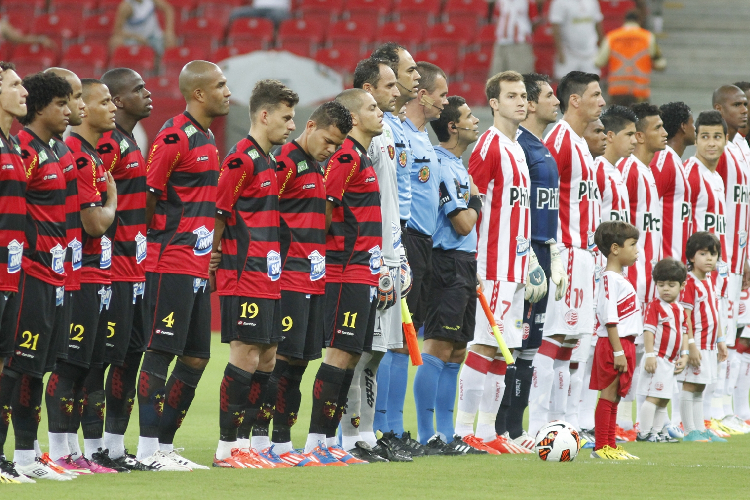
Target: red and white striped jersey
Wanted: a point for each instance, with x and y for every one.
(579, 196)
(513, 22)
(702, 305)
(674, 193)
(741, 141)
(499, 170)
(735, 172)
(667, 322)
(617, 304)
(645, 214)
(612, 191)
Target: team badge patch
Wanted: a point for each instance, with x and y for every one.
(273, 262)
(15, 256)
(402, 158)
(391, 151)
(317, 265)
(424, 174)
(58, 258)
(571, 317)
(204, 241)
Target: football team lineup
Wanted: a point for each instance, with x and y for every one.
(579, 291)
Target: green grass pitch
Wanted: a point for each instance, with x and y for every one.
(680, 471)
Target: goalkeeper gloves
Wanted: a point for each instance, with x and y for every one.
(406, 276)
(386, 290)
(559, 276)
(536, 280)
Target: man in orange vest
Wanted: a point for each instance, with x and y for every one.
(631, 53)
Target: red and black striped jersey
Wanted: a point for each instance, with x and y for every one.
(183, 171)
(74, 253)
(122, 157)
(249, 198)
(44, 257)
(92, 192)
(302, 206)
(355, 238)
(12, 214)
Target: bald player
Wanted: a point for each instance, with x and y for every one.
(182, 173)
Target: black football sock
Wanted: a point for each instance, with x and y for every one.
(501, 421)
(120, 393)
(265, 413)
(178, 395)
(59, 397)
(92, 417)
(27, 410)
(346, 383)
(254, 400)
(520, 396)
(233, 392)
(326, 391)
(288, 400)
(8, 380)
(151, 381)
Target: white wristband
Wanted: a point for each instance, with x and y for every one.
(721, 339)
(685, 353)
(691, 341)
(650, 354)
(618, 353)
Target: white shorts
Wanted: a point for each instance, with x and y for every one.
(733, 291)
(723, 316)
(706, 373)
(506, 302)
(659, 384)
(573, 315)
(575, 62)
(388, 331)
(581, 351)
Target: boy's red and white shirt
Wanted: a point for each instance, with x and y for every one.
(702, 305)
(667, 322)
(618, 305)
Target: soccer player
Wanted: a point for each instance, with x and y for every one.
(182, 172)
(498, 167)
(377, 78)
(43, 270)
(581, 103)
(247, 264)
(353, 262)
(451, 311)
(619, 125)
(619, 322)
(425, 180)
(397, 361)
(13, 237)
(123, 320)
(544, 200)
(596, 138)
(734, 169)
(665, 340)
(699, 298)
(302, 205)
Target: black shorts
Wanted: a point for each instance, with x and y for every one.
(350, 316)
(451, 313)
(177, 314)
(419, 248)
(123, 322)
(63, 322)
(35, 347)
(302, 325)
(87, 333)
(8, 323)
(534, 315)
(250, 320)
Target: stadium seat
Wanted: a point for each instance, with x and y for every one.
(407, 34)
(298, 46)
(425, 7)
(163, 87)
(352, 32)
(542, 35)
(617, 8)
(448, 33)
(368, 18)
(478, 7)
(371, 7)
(321, 5)
(97, 29)
(486, 37)
(251, 29)
(468, 20)
(218, 11)
(544, 59)
(343, 58)
(300, 37)
(447, 60)
(138, 57)
(78, 8)
(476, 65)
(86, 60)
(29, 7)
(471, 90)
(228, 51)
(176, 57)
(19, 19)
(60, 27)
(205, 31)
(31, 58)
(320, 17)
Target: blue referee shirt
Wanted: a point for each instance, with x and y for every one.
(403, 160)
(425, 180)
(545, 187)
(454, 197)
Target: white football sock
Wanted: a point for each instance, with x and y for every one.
(541, 388)
(312, 441)
(224, 449)
(281, 448)
(331, 441)
(733, 370)
(58, 445)
(698, 411)
(588, 401)
(659, 418)
(625, 414)
(727, 405)
(147, 446)
(73, 445)
(37, 448)
(260, 443)
(492, 396)
(648, 412)
(574, 396)
(471, 382)
(115, 443)
(560, 388)
(639, 400)
(166, 447)
(369, 438)
(91, 446)
(707, 398)
(24, 457)
(243, 444)
(676, 418)
(368, 395)
(350, 433)
(717, 395)
(686, 410)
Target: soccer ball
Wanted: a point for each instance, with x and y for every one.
(557, 441)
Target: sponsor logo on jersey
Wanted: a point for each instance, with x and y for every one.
(202, 158)
(424, 174)
(723, 269)
(376, 258)
(7, 167)
(265, 184)
(138, 289)
(396, 234)
(519, 195)
(140, 248)
(685, 211)
(370, 179)
(740, 194)
(590, 240)
(717, 222)
(105, 259)
(253, 153)
(76, 249)
(58, 258)
(309, 186)
(302, 166)
(273, 263)
(547, 197)
(526, 330)
(522, 246)
(650, 222)
(402, 158)
(59, 295)
(190, 130)
(43, 156)
(132, 164)
(15, 256)
(123, 146)
(317, 265)
(742, 238)
(105, 297)
(50, 177)
(587, 189)
(598, 272)
(204, 241)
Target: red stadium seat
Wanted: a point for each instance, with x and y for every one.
(201, 30)
(365, 18)
(449, 33)
(476, 6)
(425, 7)
(351, 32)
(486, 36)
(298, 46)
(471, 90)
(468, 20)
(19, 19)
(371, 7)
(78, 8)
(85, 60)
(542, 35)
(97, 29)
(294, 32)
(163, 87)
(447, 60)
(322, 17)
(233, 50)
(322, 5)
(406, 34)
(60, 27)
(544, 56)
(138, 57)
(476, 65)
(343, 58)
(218, 11)
(175, 58)
(32, 58)
(248, 29)
(617, 8)
(30, 7)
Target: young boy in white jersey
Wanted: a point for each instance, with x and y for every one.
(666, 344)
(704, 340)
(618, 317)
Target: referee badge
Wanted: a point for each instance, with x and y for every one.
(391, 152)
(402, 158)
(424, 174)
